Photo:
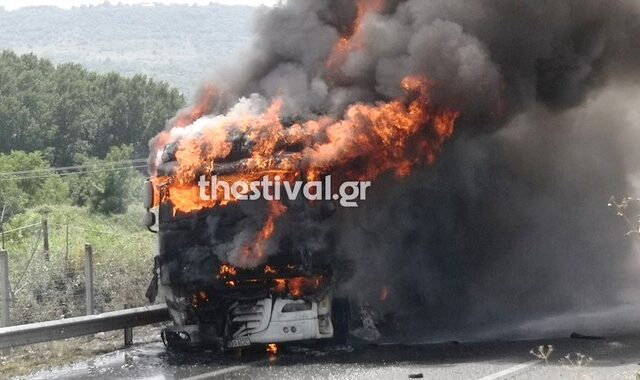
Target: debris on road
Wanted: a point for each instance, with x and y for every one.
(581, 336)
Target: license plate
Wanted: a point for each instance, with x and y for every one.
(240, 342)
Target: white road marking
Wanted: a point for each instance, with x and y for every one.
(224, 371)
(509, 371)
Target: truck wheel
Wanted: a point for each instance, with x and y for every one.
(340, 318)
(173, 341)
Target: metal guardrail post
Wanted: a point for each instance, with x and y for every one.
(88, 278)
(45, 238)
(5, 295)
(128, 333)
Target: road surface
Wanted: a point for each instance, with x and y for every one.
(613, 358)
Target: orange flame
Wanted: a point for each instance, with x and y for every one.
(209, 96)
(392, 136)
(353, 40)
(227, 270)
(281, 285)
(272, 349)
(366, 142)
(256, 252)
(297, 286)
(369, 141)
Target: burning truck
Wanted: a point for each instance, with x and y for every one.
(286, 296)
(364, 89)
(235, 273)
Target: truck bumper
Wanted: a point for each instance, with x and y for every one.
(285, 320)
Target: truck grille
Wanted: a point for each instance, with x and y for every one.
(250, 317)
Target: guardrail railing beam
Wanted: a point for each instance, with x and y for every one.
(22, 335)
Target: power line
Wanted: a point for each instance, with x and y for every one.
(74, 167)
(53, 175)
(51, 170)
(21, 228)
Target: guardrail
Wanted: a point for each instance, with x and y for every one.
(5, 286)
(22, 335)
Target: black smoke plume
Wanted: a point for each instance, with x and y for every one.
(511, 223)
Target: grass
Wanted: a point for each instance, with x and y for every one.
(572, 359)
(52, 289)
(576, 360)
(543, 352)
(45, 290)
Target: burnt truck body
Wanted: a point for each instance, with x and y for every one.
(289, 296)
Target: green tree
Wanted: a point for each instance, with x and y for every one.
(109, 185)
(26, 180)
(77, 113)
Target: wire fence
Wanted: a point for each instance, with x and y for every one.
(47, 284)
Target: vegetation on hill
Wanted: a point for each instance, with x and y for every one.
(180, 44)
(73, 147)
(73, 142)
(66, 111)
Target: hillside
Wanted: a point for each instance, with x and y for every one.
(180, 44)
(67, 111)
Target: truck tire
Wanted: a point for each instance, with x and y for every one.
(340, 318)
(173, 342)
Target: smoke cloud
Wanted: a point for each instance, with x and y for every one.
(511, 223)
(508, 227)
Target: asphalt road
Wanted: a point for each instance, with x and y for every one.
(613, 358)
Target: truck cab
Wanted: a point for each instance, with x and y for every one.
(289, 297)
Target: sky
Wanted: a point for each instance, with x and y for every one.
(15, 4)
